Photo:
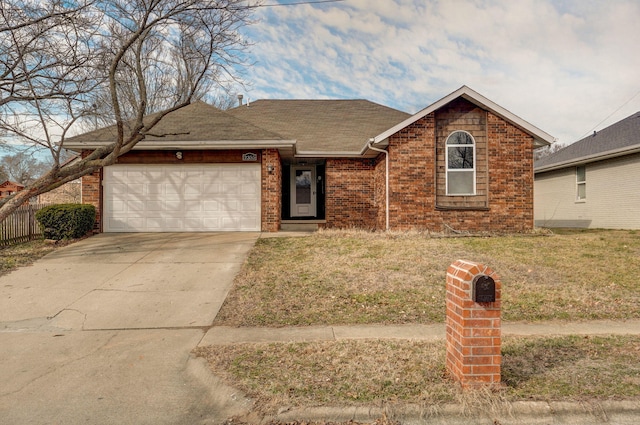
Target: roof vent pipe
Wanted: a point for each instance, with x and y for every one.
(240, 100)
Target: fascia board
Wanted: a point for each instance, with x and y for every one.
(194, 144)
(326, 154)
(542, 138)
(615, 153)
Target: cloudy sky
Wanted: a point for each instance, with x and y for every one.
(566, 66)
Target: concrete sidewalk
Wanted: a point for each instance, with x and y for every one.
(220, 335)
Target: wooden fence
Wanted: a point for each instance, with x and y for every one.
(21, 225)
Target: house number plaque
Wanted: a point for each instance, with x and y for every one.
(249, 156)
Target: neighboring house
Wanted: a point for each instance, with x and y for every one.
(8, 188)
(68, 193)
(594, 182)
(462, 164)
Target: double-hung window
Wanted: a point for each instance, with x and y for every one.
(461, 164)
(581, 183)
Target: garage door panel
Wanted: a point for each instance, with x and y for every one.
(154, 206)
(164, 198)
(248, 206)
(134, 205)
(211, 206)
(211, 189)
(155, 189)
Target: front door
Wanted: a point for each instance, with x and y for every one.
(303, 191)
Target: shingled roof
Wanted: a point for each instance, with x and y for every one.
(619, 139)
(313, 126)
(196, 122)
(322, 125)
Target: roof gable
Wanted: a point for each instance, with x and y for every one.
(540, 137)
(13, 185)
(618, 139)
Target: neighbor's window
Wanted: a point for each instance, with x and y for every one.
(581, 183)
(461, 164)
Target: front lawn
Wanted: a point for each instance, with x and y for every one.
(352, 277)
(372, 372)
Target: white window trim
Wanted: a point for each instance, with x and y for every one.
(464, 170)
(581, 183)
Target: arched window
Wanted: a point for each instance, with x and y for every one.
(461, 164)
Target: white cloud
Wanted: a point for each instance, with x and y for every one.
(562, 65)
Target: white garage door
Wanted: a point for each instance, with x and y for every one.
(182, 198)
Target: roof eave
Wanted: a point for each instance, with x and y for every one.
(615, 153)
(287, 145)
(328, 154)
(541, 138)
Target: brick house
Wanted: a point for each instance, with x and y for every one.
(463, 163)
(8, 188)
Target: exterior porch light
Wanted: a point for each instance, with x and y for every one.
(270, 168)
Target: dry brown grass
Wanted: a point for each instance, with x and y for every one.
(351, 277)
(21, 255)
(380, 373)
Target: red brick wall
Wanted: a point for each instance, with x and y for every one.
(509, 199)
(350, 194)
(510, 175)
(271, 190)
(412, 175)
(92, 194)
(473, 329)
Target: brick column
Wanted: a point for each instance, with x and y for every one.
(271, 190)
(473, 328)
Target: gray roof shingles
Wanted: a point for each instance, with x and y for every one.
(322, 125)
(196, 122)
(618, 136)
(316, 125)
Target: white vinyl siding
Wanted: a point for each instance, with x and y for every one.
(182, 198)
(613, 196)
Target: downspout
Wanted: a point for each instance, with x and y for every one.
(386, 163)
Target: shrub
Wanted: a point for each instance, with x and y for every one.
(66, 221)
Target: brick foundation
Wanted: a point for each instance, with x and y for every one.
(473, 329)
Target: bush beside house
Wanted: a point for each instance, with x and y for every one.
(66, 221)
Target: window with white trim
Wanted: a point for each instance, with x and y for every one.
(581, 183)
(461, 164)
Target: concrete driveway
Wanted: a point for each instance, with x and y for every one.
(100, 332)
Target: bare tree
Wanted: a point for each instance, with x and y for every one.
(113, 62)
(547, 150)
(22, 168)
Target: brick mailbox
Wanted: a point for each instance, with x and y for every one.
(473, 324)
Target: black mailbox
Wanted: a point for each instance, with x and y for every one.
(484, 289)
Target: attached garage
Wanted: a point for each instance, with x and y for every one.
(182, 198)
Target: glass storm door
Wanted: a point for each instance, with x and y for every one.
(303, 191)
